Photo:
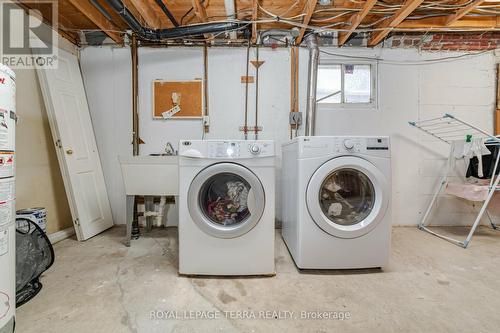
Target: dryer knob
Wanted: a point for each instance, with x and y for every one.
(349, 144)
(255, 149)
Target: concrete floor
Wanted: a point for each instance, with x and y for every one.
(102, 286)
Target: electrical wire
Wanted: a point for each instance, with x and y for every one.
(382, 8)
(415, 63)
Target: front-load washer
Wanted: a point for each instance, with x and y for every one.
(226, 207)
(337, 201)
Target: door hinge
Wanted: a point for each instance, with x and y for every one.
(58, 144)
(77, 222)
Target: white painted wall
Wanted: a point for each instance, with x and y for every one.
(464, 87)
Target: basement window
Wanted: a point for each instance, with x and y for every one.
(346, 85)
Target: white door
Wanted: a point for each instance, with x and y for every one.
(76, 148)
(347, 197)
(226, 200)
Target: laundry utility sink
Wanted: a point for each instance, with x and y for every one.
(150, 175)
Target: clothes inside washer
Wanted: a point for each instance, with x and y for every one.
(347, 196)
(224, 199)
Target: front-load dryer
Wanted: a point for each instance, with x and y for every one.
(226, 207)
(336, 195)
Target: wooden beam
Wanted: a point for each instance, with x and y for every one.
(255, 15)
(200, 11)
(70, 36)
(478, 23)
(147, 12)
(308, 10)
(497, 113)
(462, 12)
(355, 21)
(87, 9)
(498, 86)
(408, 7)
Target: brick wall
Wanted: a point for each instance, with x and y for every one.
(448, 41)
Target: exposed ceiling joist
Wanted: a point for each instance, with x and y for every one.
(427, 24)
(199, 10)
(355, 21)
(408, 7)
(255, 15)
(147, 12)
(87, 9)
(308, 11)
(462, 12)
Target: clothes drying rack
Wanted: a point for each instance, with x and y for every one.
(448, 129)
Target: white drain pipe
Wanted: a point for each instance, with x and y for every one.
(312, 79)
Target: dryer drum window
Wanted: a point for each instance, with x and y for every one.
(347, 196)
(223, 199)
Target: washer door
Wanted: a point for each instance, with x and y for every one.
(226, 200)
(347, 197)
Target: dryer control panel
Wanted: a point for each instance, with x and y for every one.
(227, 149)
(239, 149)
(325, 145)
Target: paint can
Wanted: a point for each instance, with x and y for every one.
(38, 215)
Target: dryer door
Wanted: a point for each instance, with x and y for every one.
(226, 200)
(347, 196)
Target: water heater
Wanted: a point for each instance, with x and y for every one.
(7, 200)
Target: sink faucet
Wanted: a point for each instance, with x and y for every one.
(169, 149)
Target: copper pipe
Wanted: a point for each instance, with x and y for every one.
(205, 84)
(135, 96)
(256, 129)
(245, 128)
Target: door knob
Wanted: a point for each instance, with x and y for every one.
(69, 151)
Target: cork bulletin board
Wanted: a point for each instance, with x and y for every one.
(191, 99)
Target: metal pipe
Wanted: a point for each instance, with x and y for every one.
(256, 128)
(312, 45)
(135, 95)
(161, 34)
(245, 128)
(205, 86)
(167, 12)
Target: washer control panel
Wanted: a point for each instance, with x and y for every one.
(224, 149)
(348, 145)
(358, 145)
(239, 149)
(314, 146)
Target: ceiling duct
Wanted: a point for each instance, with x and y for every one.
(312, 78)
(274, 36)
(157, 35)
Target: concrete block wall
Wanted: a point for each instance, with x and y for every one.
(448, 41)
(409, 88)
